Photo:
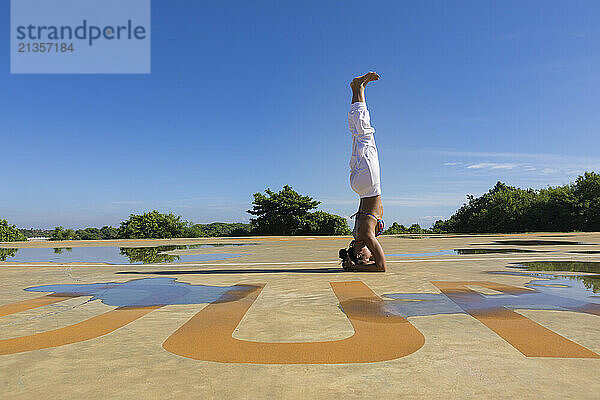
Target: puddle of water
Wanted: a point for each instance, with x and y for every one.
(533, 242)
(433, 253)
(145, 292)
(550, 292)
(205, 245)
(464, 251)
(591, 282)
(495, 251)
(108, 255)
(7, 253)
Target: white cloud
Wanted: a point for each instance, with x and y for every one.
(431, 217)
(527, 164)
(487, 165)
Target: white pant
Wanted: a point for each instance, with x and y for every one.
(364, 163)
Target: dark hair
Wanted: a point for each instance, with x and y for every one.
(343, 253)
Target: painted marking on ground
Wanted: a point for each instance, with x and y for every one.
(378, 334)
(530, 338)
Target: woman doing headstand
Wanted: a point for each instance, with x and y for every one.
(364, 253)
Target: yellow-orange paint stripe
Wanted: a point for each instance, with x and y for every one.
(530, 338)
(378, 336)
(89, 329)
(36, 302)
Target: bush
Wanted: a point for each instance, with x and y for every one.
(152, 225)
(88, 234)
(36, 232)
(322, 223)
(395, 229)
(108, 232)
(218, 229)
(104, 233)
(60, 233)
(10, 233)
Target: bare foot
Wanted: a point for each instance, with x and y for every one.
(363, 80)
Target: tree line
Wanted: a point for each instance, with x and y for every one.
(503, 209)
(275, 213)
(507, 209)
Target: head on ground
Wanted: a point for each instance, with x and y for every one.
(356, 254)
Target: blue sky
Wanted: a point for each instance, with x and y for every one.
(249, 95)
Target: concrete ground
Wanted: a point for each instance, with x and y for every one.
(297, 326)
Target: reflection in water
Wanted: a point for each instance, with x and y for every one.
(591, 282)
(495, 251)
(433, 253)
(204, 245)
(464, 251)
(60, 250)
(7, 253)
(530, 242)
(107, 255)
(146, 292)
(422, 304)
(150, 255)
(550, 292)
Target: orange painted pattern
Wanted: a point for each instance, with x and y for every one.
(89, 329)
(378, 336)
(530, 338)
(29, 304)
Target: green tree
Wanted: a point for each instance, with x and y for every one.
(152, 225)
(88, 234)
(288, 213)
(216, 229)
(506, 209)
(10, 233)
(416, 228)
(395, 229)
(587, 193)
(281, 213)
(108, 232)
(60, 233)
(322, 223)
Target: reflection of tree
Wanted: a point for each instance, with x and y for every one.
(203, 245)
(150, 255)
(589, 281)
(60, 250)
(7, 253)
(491, 251)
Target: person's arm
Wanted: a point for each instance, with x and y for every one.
(376, 250)
(371, 267)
